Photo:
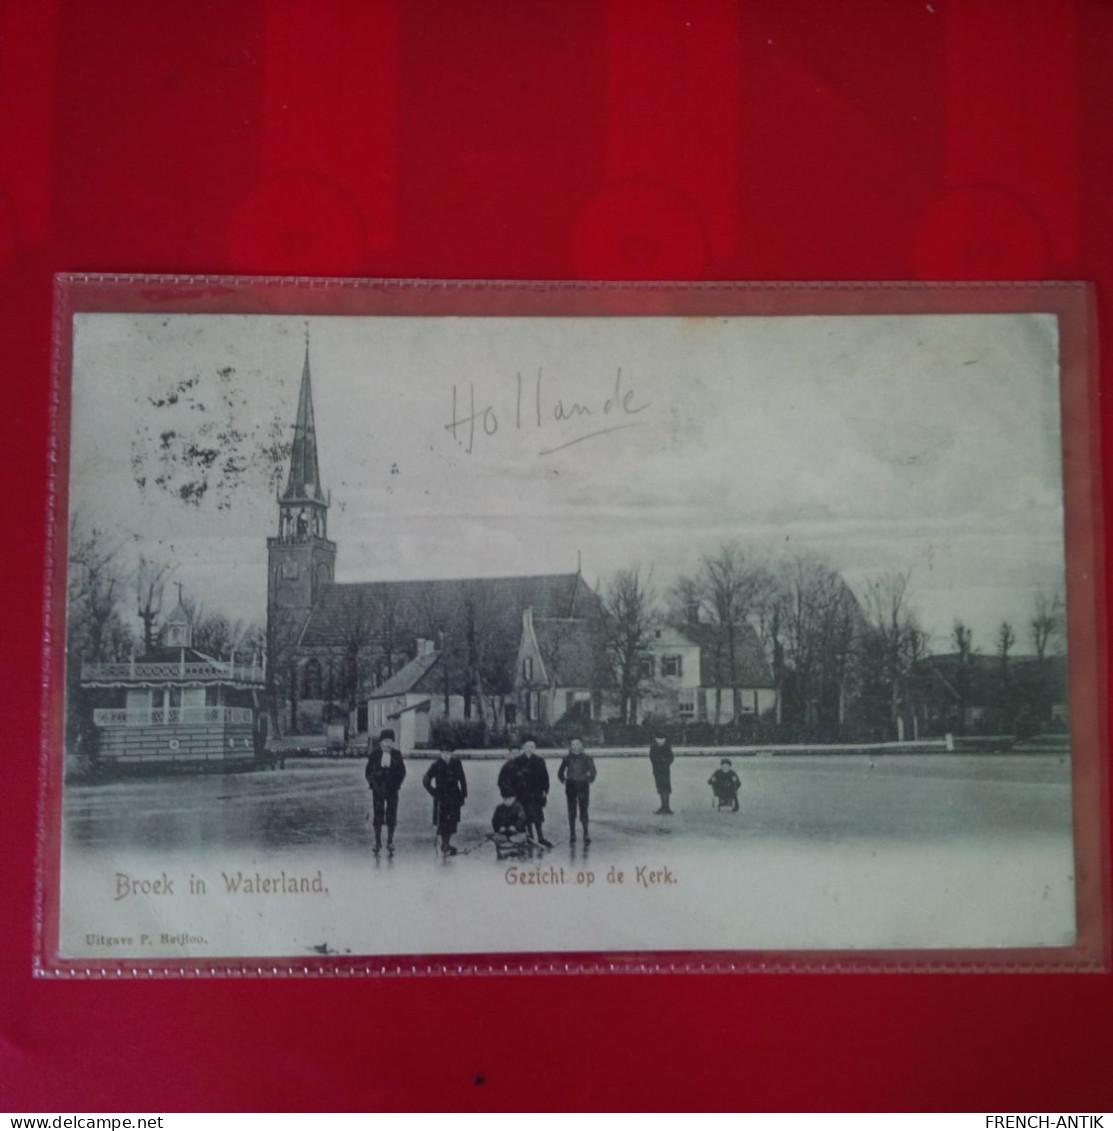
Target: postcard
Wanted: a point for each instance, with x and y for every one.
(444, 624)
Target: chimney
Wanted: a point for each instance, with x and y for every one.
(692, 611)
(424, 646)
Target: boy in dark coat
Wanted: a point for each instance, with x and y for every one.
(509, 774)
(725, 784)
(577, 771)
(385, 772)
(660, 758)
(533, 787)
(445, 782)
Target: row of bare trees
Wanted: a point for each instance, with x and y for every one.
(842, 663)
(808, 623)
(1017, 691)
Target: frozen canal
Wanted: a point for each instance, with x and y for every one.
(925, 850)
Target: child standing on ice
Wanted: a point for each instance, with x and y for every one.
(660, 758)
(385, 772)
(577, 772)
(446, 783)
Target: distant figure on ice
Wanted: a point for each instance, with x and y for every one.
(577, 772)
(725, 785)
(385, 772)
(445, 782)
(660, 758)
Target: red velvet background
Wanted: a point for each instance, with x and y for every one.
(726, 139)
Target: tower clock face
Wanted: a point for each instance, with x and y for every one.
(289, 570)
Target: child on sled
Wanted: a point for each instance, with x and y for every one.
(725, 785)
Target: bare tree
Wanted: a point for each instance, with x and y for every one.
(1046, 631)
(962, 639)
(1047, 623)
(731, 587)
(386, 618)
(813, 621)
(150, 581)
(358, 638)
(632, 615)
(95, 629)
(898, 642)
(1006, 638)
(480, 628)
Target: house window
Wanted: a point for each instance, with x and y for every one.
(686, 704)
(527, 669)
(645, 667)
(671, 665)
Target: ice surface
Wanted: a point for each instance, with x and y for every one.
(827, 851)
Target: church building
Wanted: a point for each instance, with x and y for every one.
(332, 645)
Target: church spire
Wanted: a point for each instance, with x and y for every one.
(304, 481)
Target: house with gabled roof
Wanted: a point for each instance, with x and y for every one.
(562, 670)
(422, 691)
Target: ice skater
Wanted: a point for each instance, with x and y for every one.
(660, 758)
(447, 784)
(577, 772)
(725, 785)
(385, 772)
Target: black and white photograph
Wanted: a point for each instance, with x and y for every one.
(446, 635)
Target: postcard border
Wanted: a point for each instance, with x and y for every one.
(1072, 302)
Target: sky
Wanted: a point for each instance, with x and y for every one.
(490, 446)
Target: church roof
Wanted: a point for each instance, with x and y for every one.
(573, 651)
(304, 481)
(419, 608)
(406, 679)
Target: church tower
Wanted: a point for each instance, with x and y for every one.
(301, 560)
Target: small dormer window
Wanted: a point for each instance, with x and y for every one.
(527, 668)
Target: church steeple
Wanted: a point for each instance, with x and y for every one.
(304, 481)
(302, 558)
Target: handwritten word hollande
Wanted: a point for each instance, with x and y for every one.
(559, 422)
